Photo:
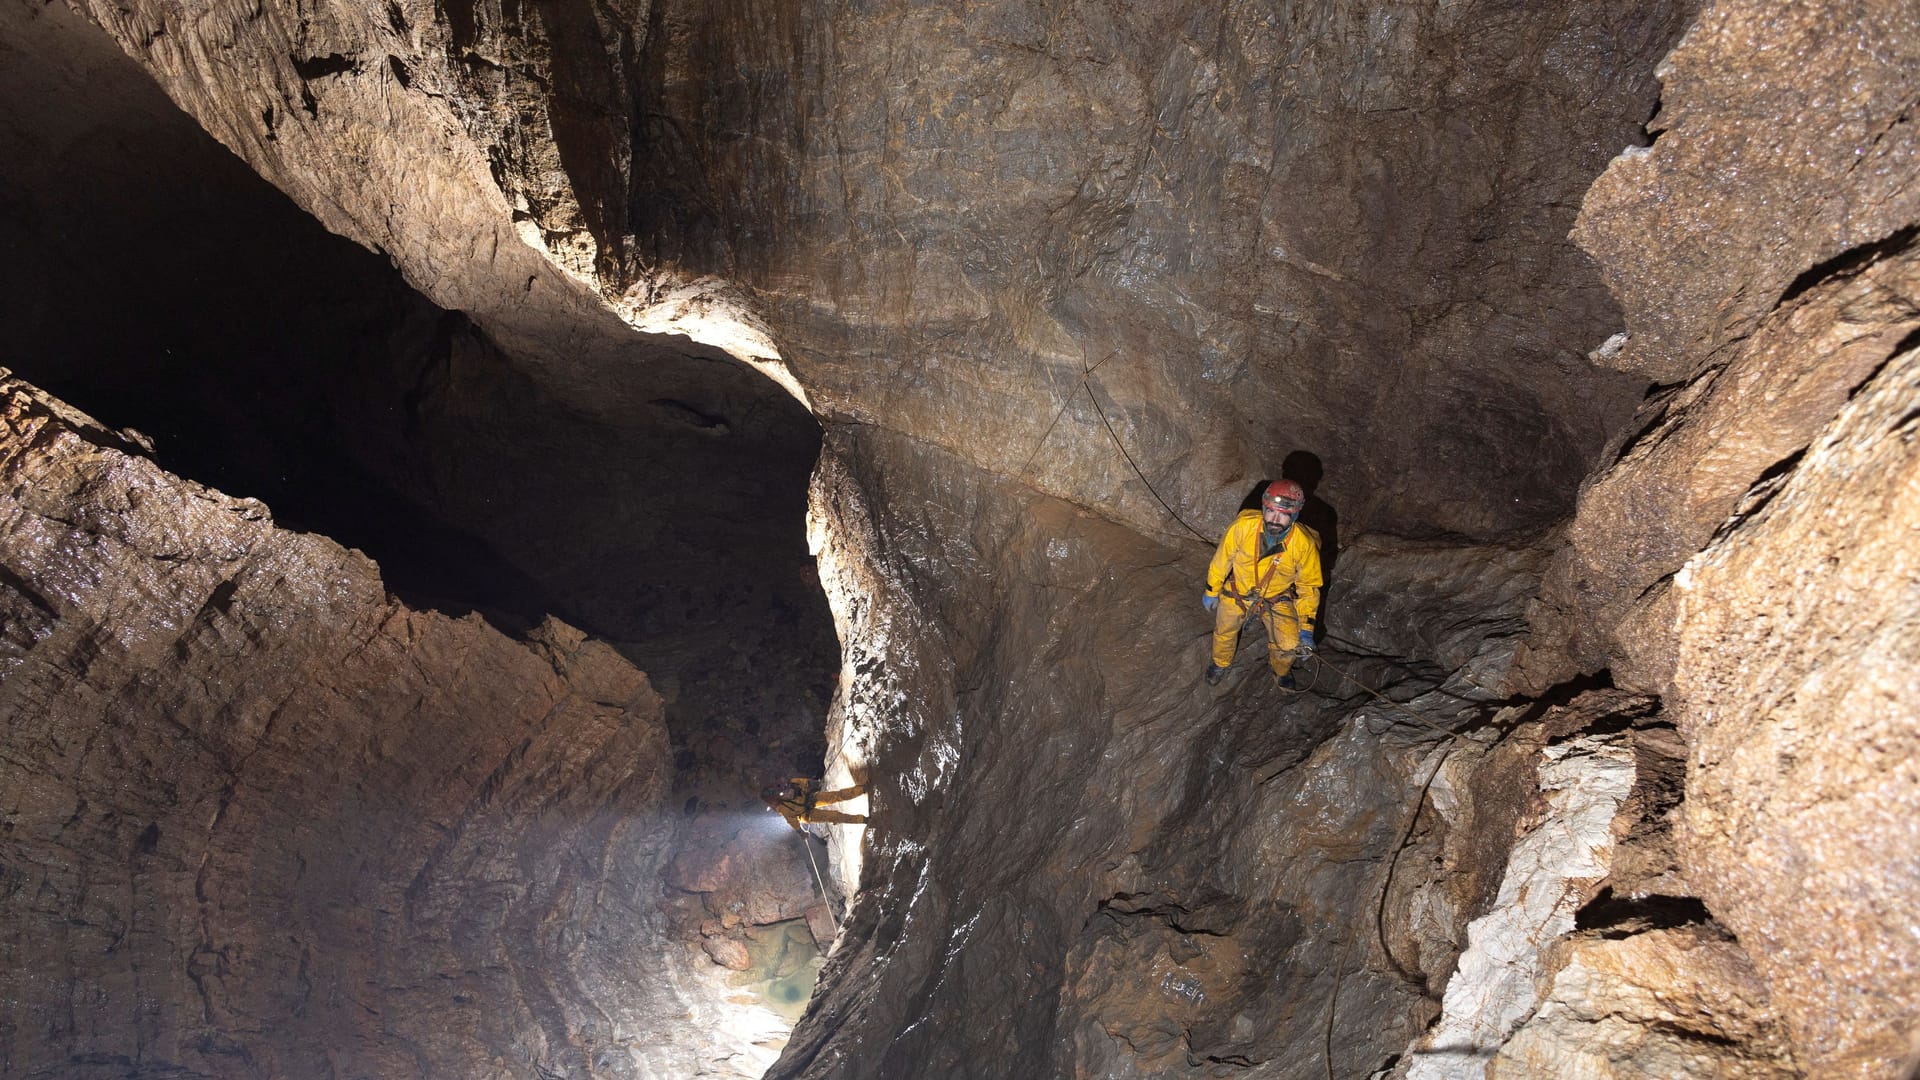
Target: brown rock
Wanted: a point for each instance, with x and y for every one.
(820, 924)
(255, 808)
(1759, 251)
(753, 876)
(1662, 1005)
(727, 952)
(1704, 448)
(521, 170)
(1796, 689)
(1785, 137)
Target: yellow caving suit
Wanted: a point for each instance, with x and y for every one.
(1289, 577)
(804, 807)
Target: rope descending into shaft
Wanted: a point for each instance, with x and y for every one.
(1382, 698)
(807, 842)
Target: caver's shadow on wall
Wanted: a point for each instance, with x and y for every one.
(1305, 469)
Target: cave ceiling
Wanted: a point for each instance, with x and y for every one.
(1338, 230)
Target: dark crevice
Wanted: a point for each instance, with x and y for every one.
(1655, 408)
(1759, 494)
(1848, 263)
(319, 67)
(1623, 916)
(1558, 695)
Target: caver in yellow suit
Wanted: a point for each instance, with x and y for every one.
(1268, 563)
(799, 801)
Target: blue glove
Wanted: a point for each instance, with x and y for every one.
(1306, 640)
(1209, 601)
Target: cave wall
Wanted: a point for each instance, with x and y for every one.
(1240, 214)
(1087, 861)
(1749, 555)
(162, 284)
(946, 214)
(263, 818)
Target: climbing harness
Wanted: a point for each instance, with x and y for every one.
(1255, 599)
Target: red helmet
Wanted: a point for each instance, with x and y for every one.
(1284, 495)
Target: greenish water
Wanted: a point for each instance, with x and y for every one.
(785, 963)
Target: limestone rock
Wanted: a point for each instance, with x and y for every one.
(1662, 1005)
(261, 817)
(1744, 555)
(1553, 869)
(1762, 249)
(1796, 690)
(752, 874)
(1237, 226)
(1785, 138)
(1461, 606)
(821, 925)
(1185, 880)
(1706, 444)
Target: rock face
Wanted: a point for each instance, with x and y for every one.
(1749, 554)
(1762, 250)
(1237, 227)
(1552, 870)
(262, 818)
(1210, 223)
(1678, 1002)
(1797, 692)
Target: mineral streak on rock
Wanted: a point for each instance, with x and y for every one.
(260, 818)
(1553, 869)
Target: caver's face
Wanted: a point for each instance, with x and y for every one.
(1278, 513)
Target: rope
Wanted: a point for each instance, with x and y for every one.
(1333, 1004)
(807, 843)
(1086, 374)
(1136, 468)
(1393, 866)
(1382, 698)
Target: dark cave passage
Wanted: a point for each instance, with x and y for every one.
(157, 282)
